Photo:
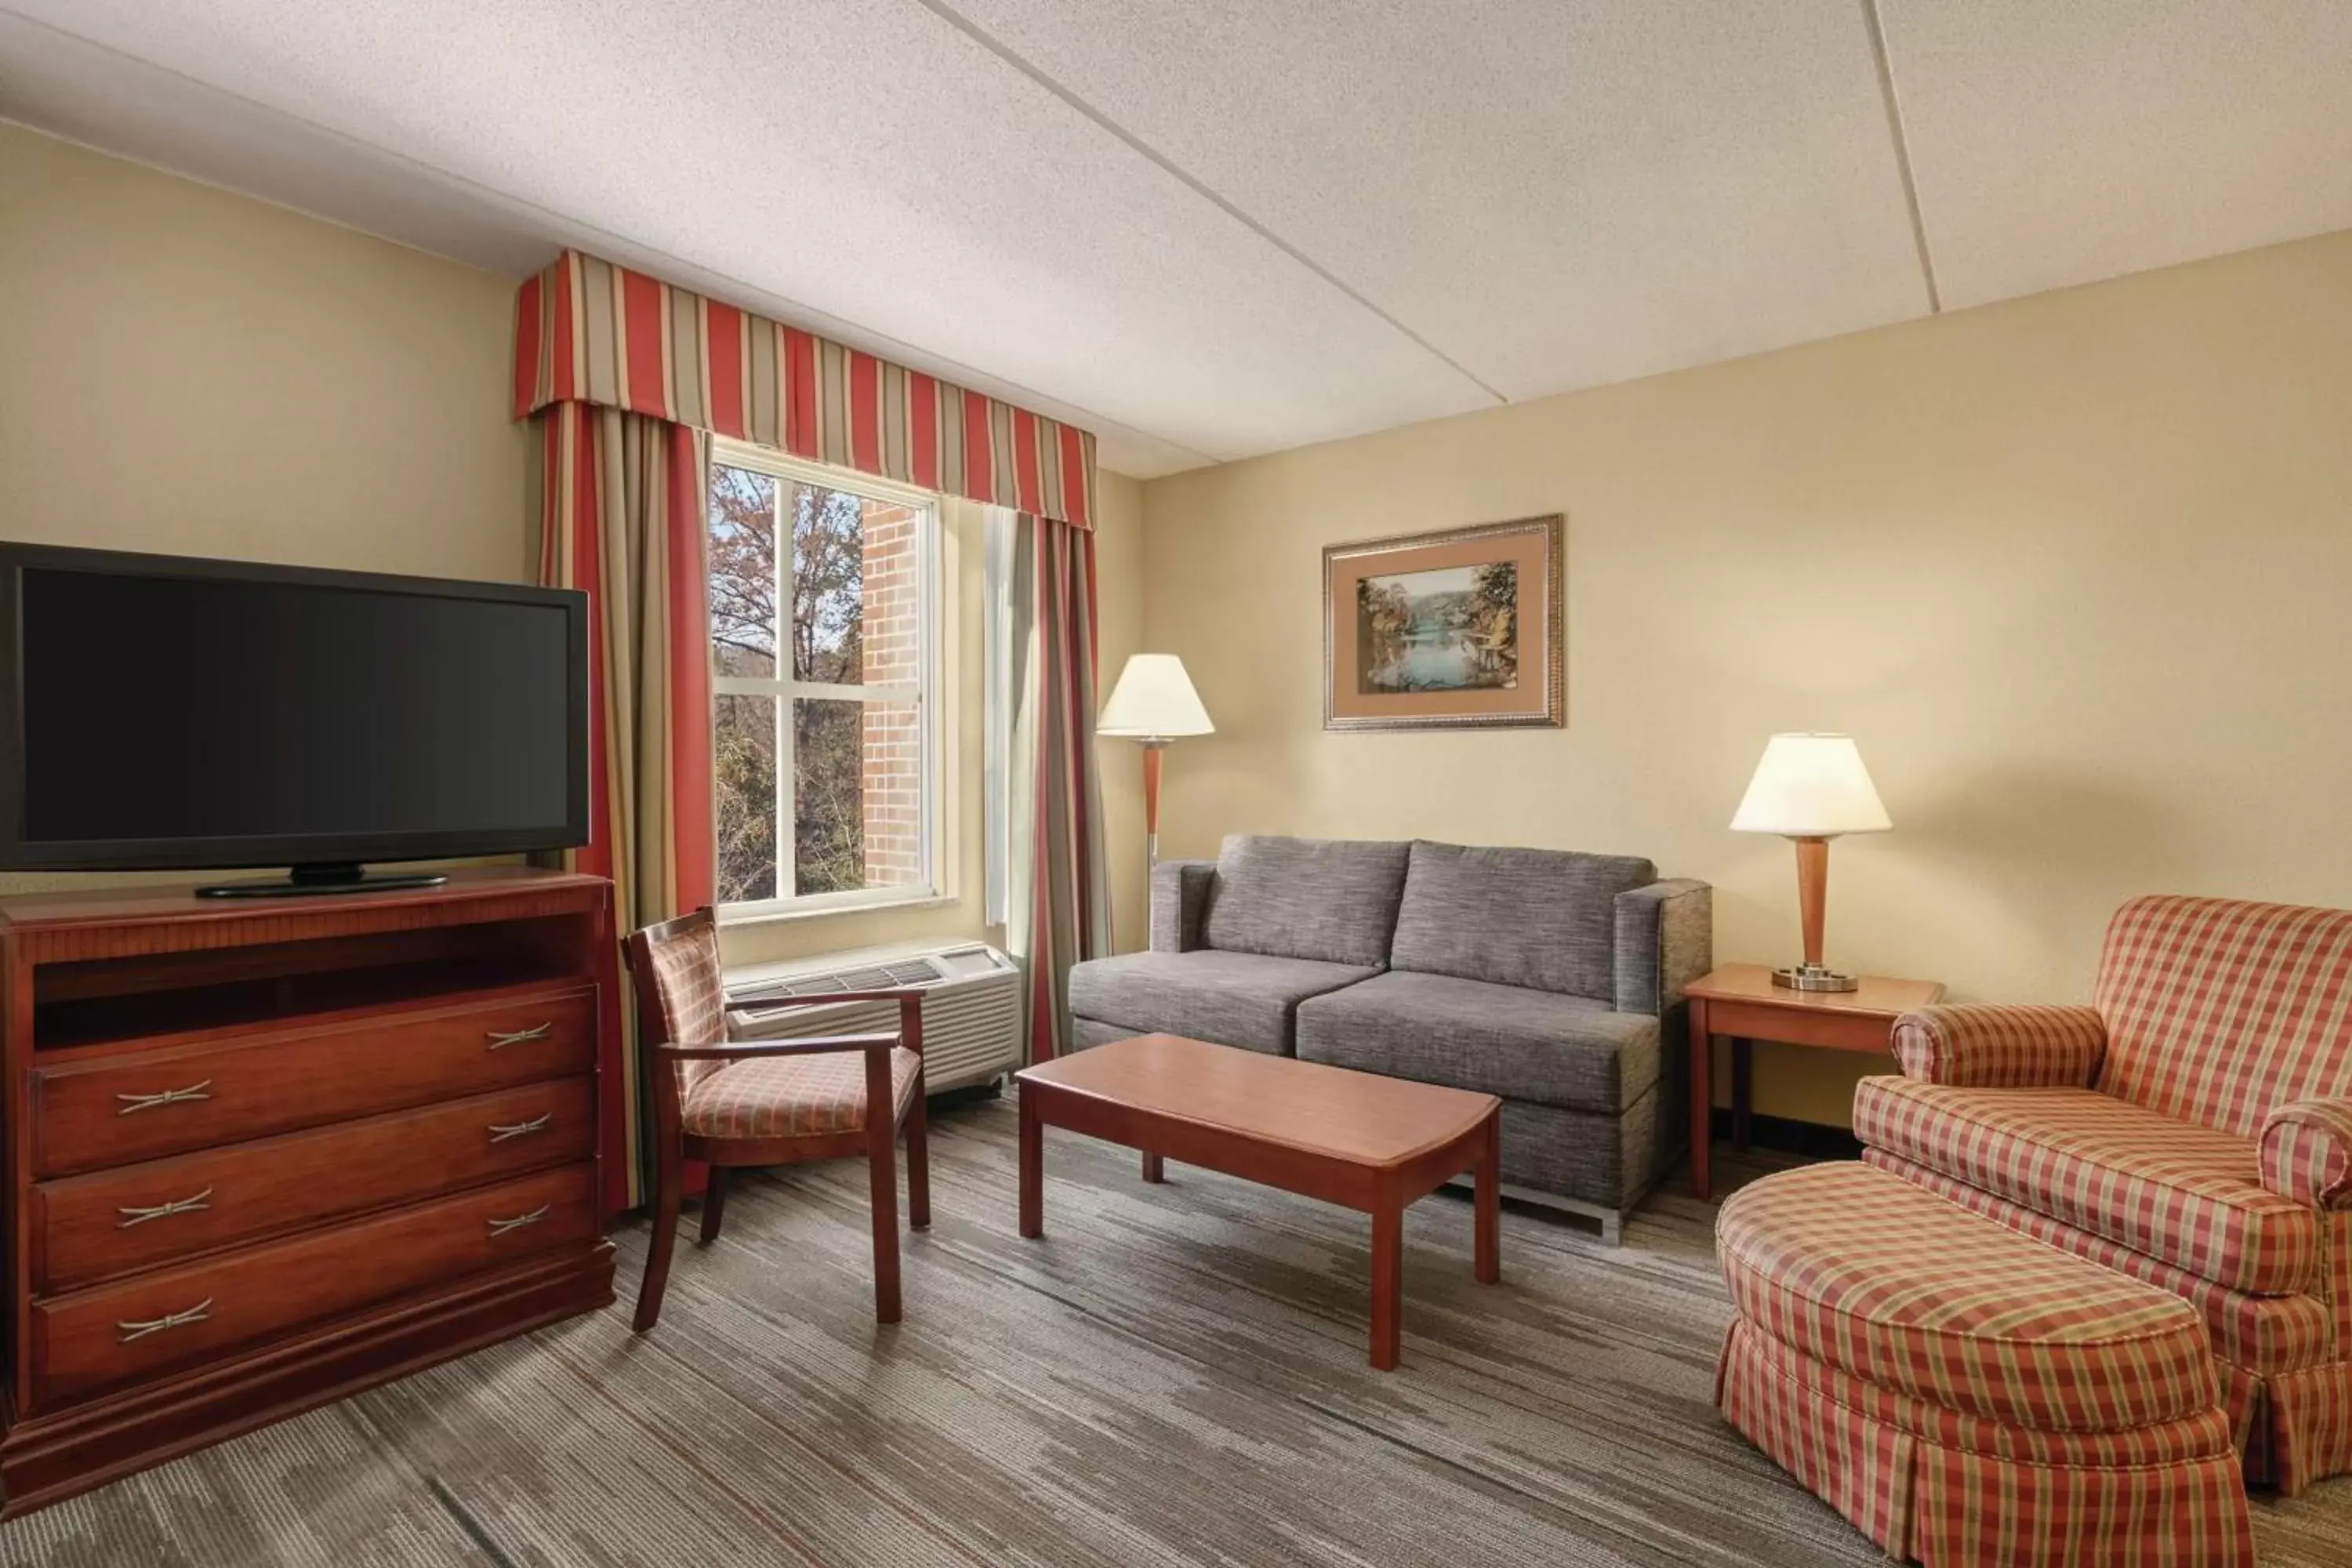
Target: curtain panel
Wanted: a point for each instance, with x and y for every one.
(588, 330)
(621, 514)
(1057, 905)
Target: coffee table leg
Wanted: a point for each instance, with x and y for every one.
(1489, 1223)
(1151, 1167)
(1033, 1167)
(1388, 1284)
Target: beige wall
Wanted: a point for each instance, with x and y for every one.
(2074, 570)
(1119, 545)
(190, 372)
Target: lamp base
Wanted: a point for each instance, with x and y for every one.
(1813, 977)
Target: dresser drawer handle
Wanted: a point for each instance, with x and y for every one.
(131, 1216)
(516, 1037)
(181, 1318)
(500, 1133)
(132, 1103)
(501, 1227)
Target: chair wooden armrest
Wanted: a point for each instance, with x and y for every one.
(744, 1051)
(909, 1001)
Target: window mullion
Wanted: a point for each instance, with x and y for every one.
(787, 761)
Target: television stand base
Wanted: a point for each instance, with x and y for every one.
(304, 880)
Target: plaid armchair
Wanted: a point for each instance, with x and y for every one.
(2192, 1128)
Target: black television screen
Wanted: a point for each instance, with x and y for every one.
(165, 712)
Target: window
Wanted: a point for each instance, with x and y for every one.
(823, 617)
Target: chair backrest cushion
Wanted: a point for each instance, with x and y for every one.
(1329, 899)
(2219, 1010)
(1544, 918)
(681, 964)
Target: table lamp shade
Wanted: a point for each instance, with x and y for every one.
(1810, 786)
(1153, 701)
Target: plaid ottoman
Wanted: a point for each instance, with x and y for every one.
(1967, 1395)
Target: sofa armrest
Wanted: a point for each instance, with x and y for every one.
(1665, 940)
(1988, 1046)
(2306, 1152)
(1180, 904)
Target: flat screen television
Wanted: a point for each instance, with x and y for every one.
(158, 712)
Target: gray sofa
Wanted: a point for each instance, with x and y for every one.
(1550, 978)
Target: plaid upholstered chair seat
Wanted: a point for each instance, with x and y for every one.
(2186, 1195)
(2191, 1129)
(790, 1096)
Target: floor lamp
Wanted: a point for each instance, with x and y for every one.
(1154, 704)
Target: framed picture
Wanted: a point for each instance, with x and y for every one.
(1457, 629)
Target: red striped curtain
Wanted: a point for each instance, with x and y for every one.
(621, 514)
(625, 378)
(1057, 905)
(591, 332)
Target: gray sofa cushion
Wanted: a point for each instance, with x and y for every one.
(1232, 998)
(1333, 900)
(1541, 918)
(1525, 1044)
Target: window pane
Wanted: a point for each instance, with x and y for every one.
(858, 797)
(854, 588)
(828, 584)
(742, 572)
(743, 769)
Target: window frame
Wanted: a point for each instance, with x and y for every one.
(922, 694)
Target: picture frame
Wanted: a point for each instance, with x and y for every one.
(1459, 629)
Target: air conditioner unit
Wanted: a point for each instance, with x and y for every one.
(971, 1004)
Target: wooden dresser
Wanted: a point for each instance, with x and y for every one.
(263, 1153)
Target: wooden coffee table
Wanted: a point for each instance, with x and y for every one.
(1370, 1144)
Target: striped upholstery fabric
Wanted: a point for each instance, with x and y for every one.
(2260, 1333)
(792, 1096)
(693, 996)
(2002, 1047)
(2217, 1010)
(2183, 1195)
(1895, 1287)
(1965, 1396)
(2306, 1152)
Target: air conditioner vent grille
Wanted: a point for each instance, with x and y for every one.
(917, 972)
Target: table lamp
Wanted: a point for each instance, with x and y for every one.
(1153, 702)
(1810, 788)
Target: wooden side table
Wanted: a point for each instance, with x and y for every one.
(1741, 1000)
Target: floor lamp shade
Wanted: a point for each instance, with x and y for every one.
(1153, 702)
(1811, 789)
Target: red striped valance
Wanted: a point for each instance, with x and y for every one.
(589, 332)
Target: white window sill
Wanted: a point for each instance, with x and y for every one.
(761, 915)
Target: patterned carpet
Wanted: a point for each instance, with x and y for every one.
(1175, 1374)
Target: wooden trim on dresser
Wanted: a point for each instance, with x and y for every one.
(101, 993)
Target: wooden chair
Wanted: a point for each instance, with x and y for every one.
(732, 1102)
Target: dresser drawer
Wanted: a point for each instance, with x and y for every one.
(167, 1322)
(87, 1228)
(117, 1109)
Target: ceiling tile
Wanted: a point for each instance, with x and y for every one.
(859, 158)
(2056, 144)
(1556, 192)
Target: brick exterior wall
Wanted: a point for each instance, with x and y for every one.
(893, 792)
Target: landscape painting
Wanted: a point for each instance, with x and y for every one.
(1456, 629)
